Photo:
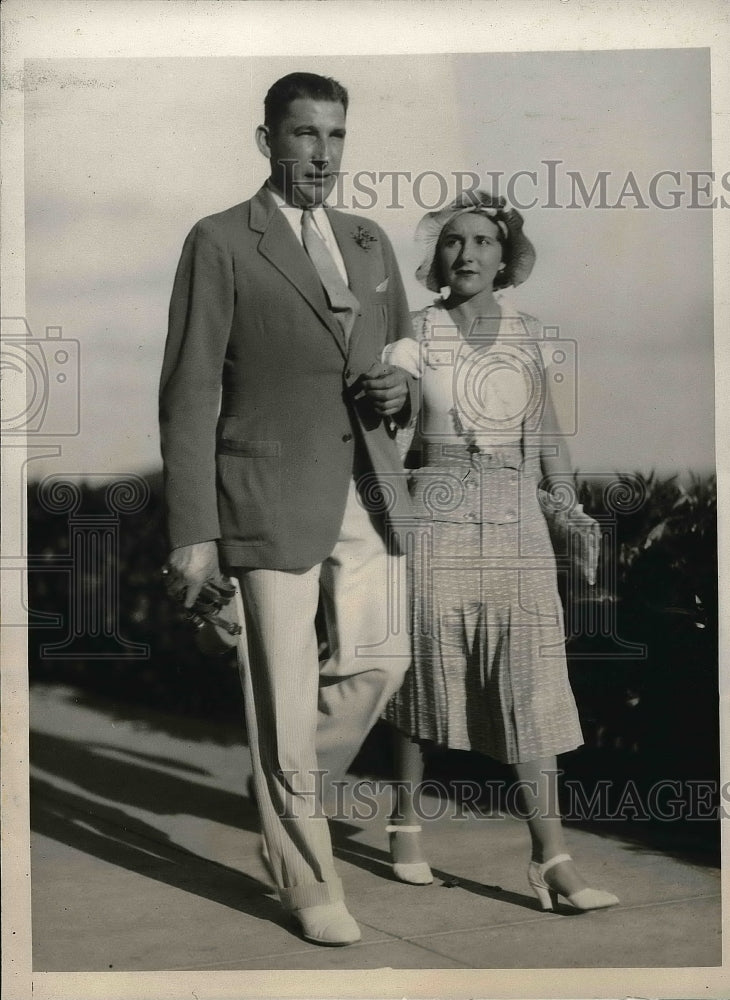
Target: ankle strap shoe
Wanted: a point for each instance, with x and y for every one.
(583, 899)
(410, 872)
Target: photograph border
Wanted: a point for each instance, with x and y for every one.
(48, 29)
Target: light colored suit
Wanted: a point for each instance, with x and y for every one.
(272, 477)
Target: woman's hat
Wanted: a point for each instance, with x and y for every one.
(518, 254)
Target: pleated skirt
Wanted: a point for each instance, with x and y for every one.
(489, 671)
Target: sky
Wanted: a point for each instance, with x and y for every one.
(122, 156)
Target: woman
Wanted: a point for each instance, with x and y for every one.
(489, 671)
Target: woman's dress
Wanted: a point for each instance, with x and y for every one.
(489, 671)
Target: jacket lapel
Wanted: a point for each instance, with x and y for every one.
(280, 247)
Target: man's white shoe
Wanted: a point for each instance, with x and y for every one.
(329, 923)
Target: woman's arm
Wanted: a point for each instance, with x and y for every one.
(554, 453)
(544, 437)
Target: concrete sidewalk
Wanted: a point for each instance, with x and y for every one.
(145, 857)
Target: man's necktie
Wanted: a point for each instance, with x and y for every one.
(342, 302)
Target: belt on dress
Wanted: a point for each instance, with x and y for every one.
(497, 457)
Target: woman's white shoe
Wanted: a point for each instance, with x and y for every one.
(583, 899)
(411, 872)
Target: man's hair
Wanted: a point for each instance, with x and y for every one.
(295, 85)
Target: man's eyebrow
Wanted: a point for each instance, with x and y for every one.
(337, 129)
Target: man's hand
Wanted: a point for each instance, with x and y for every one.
(188, 568)
(387, 388)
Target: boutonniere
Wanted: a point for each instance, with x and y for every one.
(363, 237)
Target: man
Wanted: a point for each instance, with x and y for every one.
(277, 423)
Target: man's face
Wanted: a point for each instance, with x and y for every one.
(305, 150)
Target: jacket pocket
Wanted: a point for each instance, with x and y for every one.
(249, 489)
(249, 449)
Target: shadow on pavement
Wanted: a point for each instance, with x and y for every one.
(108, 832)
(378, 862)
(105, 770)
(222, 729)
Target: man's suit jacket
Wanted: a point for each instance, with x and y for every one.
(265, 465)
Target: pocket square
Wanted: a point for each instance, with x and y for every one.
(383, 286)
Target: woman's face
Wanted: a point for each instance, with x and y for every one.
(469, 255)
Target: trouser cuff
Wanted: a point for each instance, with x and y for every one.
(296, 897)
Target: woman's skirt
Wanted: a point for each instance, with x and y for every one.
(489, 671)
